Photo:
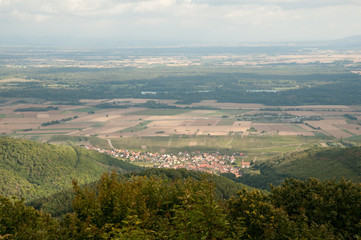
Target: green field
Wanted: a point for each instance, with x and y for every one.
(256, 147)
(80, 140)
(160, 112)
(227, 112)
(137, 128)
(319, 134)
(2, 115)
(356, 138)
(86, 109)
(98, 124)
(14, 115)
(35, 134)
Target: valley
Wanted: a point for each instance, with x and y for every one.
(262, 101)
(258, 130)
(213, 120)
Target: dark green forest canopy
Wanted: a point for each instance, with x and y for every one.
(30, 169)
(59, 203)
(289, 85)
(321, 163)
(154, 208)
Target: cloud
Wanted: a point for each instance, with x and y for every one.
(281, 3)
(192, 20)
(23, 16)
(107, 8)
(149, 6)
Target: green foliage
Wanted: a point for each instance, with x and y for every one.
(321, 163)
(18, 221)
(199, 215)
(251, 145)
(225, 188)
(330, 203)
(301, 84)
(58, 121)
(252, 216)
(59, 204)
(72, 140)
(349, 116)
(36, 109)
(31, 170)
(136, 128)
(298, 210)
(282, 117)
(86, 109)
(356, 138)
(155, 208)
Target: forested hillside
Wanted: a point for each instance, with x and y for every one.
(174, 204)
(30, 169)
(59, 203)
(154, 208)
(321, 163)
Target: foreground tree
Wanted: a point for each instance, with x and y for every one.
(148, 208)
(18, 221)
(153, 208)
(331, 204)
(252, 215)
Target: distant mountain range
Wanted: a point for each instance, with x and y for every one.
(348, 42)
(176, 48)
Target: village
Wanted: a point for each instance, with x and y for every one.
(215, 163)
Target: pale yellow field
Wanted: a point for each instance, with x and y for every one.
(304, 113)
(326, 125)
(339, 133)
(214, 103)
(320, 107)
(204, 122)
(7, 80)
(169, 118)
(115, 122)
(353, 128)
(295, 133)
(166, 123)
(42, 115)
(273, 127)
(245, 124)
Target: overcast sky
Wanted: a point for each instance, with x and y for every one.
(179, 21)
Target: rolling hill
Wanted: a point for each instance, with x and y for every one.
(30, 169)
(322, 163)
(59, 203)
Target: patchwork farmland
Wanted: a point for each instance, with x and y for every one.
(225, 127)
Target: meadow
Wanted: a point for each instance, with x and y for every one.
(255, 147)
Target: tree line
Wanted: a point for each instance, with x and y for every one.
(321, 89)
(155, 208)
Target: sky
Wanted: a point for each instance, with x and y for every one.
(171, 22)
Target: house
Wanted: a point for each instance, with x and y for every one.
(245, 164)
